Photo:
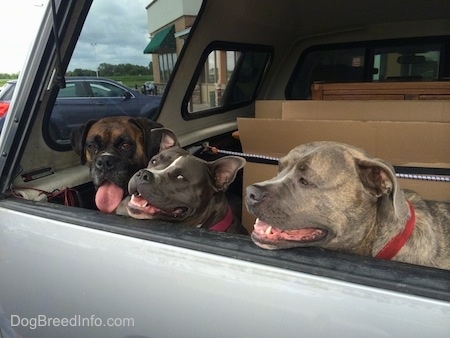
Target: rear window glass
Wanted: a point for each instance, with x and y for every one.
(333, 65)
(408, 60)
(407, 63)
(72, 89)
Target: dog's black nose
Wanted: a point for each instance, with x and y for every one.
(105, 162)
(254, 194)
(144, 175)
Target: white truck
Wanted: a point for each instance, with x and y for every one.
(68, 270)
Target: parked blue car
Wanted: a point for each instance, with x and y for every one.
(85, 98)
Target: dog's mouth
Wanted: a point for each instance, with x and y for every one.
(139, 207)
(108, 197)
(269, 237)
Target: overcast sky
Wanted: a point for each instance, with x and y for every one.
(111, 24)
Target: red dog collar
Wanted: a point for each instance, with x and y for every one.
(397, 242)
(225, 223)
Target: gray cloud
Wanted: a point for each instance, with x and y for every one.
(119, 30)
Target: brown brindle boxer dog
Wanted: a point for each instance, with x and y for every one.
(115, 148)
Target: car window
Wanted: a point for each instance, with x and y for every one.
(104, 89)
(72, 89)
(7, 91)
(407, 63)
(329, 65)
(227, 77)
(110, 63)
(407, 60)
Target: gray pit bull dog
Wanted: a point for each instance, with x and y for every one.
(336, 196)
(179, 187)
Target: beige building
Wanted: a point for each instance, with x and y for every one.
(169, 22)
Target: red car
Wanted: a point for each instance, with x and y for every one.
(5, 96)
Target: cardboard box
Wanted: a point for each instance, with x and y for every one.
(405, 133)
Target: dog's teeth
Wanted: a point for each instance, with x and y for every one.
(268, 230)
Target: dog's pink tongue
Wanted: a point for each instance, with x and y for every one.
(108, 197)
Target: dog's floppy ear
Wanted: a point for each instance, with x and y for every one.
(224, 170)
(379, 178)
(155, 136)
(78, 139)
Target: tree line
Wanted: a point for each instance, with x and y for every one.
(106, 69)
(8, 76)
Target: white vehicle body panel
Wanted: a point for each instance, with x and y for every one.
(173, 292)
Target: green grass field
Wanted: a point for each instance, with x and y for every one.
(3, 81)
(127, 80)
(132, 80)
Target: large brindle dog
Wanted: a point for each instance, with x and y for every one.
(115, 148)
(336, 196)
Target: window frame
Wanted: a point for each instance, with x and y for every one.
(199, 71)
(370, 47)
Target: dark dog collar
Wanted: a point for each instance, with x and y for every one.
(397, 242)
(225, 223)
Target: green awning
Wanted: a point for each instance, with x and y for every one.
(163, 42)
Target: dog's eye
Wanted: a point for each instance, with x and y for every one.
(180, 177)
(92, 147)
(303, 181)
(152, 161)
(125, 146)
